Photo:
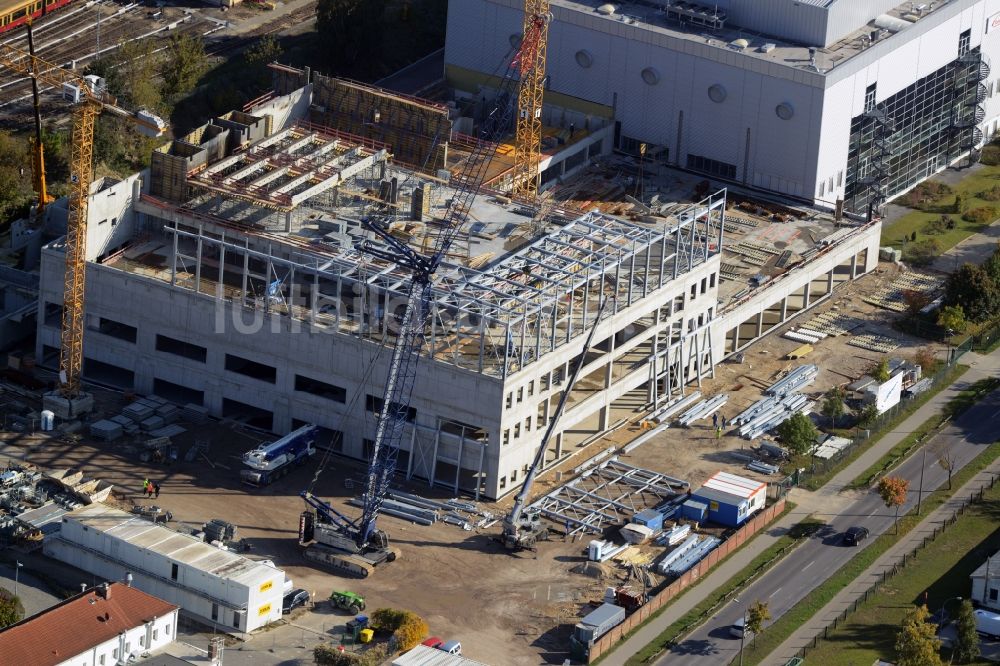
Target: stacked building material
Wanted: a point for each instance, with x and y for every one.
(677, 553)
(703, 409)
(674, 535)
(196, 414)
(105, 429)
(601, 551)
(762, 467)
(692, 556)
(673, 407)
(793, 381)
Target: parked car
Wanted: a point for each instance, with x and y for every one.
(739, 630)
(855, 535)
(433, 642)
(293, 600)
(451, 647)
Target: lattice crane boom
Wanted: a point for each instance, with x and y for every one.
(94, 101)
(528, 136)
(414, 321)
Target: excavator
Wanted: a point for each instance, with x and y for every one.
(522, 527)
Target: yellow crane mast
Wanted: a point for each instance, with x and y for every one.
(528, 137)
(69, 402)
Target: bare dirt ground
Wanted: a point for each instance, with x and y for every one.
(521, 607)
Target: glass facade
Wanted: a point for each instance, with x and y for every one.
(919, 130)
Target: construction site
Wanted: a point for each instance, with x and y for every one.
(480, 327)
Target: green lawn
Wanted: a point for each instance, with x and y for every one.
(941, 570)
(782, 628)
(978, 181)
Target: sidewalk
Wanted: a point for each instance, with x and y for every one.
(827, 501)
(805, 634)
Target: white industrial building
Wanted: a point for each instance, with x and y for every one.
(107, 625)
(216, 587)
(228, 276)
(822, 100)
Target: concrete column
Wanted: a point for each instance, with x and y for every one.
(282, 421)
(854, 266)
(760, 324)
(213, 397)
(829, 282)
(559, 445)
(288, 222)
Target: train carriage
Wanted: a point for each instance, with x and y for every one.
(15, 12)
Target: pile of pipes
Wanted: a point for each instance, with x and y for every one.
(665, 413)
(703, 409)
(780, 401)
(415, 513)
(687, 555)
(763, 467)
(793, 381)
(771, 412)
(674, 535)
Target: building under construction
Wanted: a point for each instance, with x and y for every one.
(227, 276)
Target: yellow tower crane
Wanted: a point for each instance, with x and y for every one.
(69, 401)
(37, 147)
(528, 137)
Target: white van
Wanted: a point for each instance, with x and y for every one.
(451, 647)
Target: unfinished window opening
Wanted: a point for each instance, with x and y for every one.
(374, 405)
(506, 437)
(711, 281)
(173, 571)
(215, 610)
(53, 315)
(503, 482)
(244, 413)
(108, 374)
(169, 345)
(177, 393)
(117, 329)
(252, 369)
(461, 429)
(321, 389)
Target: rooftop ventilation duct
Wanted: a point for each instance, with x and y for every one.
(891, 23)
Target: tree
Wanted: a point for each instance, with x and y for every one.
(15, 176)
(868, 416)
(941, 449)
(184, 64)
(926, 359)
(757, 615)
(967, 641)
(880, 372)
(410, 632)
(833, 404)
(264, 51)
(972, 288)
(11, 608)
(952, 318)
(915, 301)
(797, 432)
(958, 203)
(348, 27)
(916, 642)
(892, 490)
(992, 265)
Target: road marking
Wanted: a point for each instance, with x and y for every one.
(873, 513)
(811, 562)
(774, 593)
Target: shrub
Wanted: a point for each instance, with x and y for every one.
(407, 628)
(329, 655)
(980, 215)
(990, 155)
(925, 194)
(387, 619)
(922, 253)
(992, 194)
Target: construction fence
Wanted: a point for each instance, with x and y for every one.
(665, 595)
(888, 574)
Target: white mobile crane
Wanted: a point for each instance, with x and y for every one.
(522, 527)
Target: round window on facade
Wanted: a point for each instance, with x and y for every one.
(784, 111)
(515, 40)
(650, 76)
(717, 93)
(584, 59)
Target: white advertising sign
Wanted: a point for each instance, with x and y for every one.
(993, 23)
(888, 394)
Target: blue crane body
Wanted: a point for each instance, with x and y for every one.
(356, 545)
(271, 461)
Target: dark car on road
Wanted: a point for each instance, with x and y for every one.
(855, 535)
(293, 600)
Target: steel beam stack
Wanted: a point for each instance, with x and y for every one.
(703, 409)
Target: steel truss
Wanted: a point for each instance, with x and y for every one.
(608, 494)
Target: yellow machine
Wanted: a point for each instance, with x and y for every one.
(69, 402)
(528, 136)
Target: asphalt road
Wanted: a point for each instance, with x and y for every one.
(34, 593)
(817, 559)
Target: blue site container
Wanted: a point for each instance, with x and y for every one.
(650, 518)
(696, 511)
